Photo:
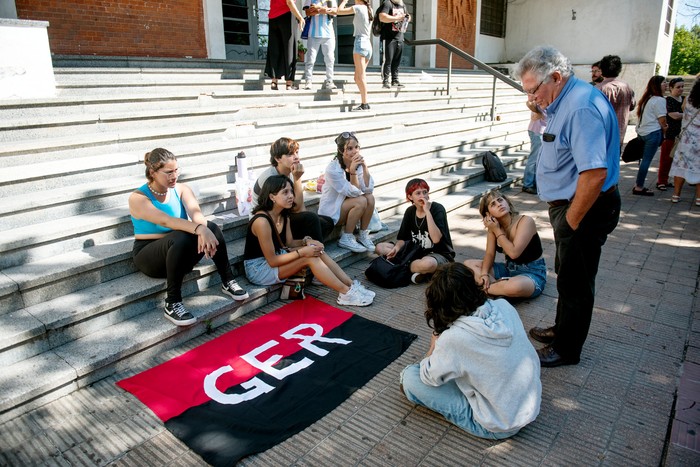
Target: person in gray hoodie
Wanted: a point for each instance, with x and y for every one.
(481, 372)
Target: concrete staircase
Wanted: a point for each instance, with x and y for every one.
(74, 309)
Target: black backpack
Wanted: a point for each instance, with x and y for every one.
(376, 24)
(396, 272)
(495, 172)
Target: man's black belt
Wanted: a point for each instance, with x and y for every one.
(563, 202)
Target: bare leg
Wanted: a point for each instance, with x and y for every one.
(518, 286)
(383, 249)
(369, 210)
(321, 270)
(426, 265)
(360, 77)
(351, 212)
(678, 185)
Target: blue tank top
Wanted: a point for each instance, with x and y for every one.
(173, 207)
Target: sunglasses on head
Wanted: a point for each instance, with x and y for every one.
(344, 136)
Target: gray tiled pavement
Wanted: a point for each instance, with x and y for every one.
(614, 408)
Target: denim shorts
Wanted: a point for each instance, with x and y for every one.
(536, 270)
(363, 46)
(259, 272)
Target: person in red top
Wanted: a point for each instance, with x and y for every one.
(281, 43)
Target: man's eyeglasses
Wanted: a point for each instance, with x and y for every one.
(171, 173)
(532, 93)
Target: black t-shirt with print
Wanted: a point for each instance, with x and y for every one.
(416, 230)
(392, 30)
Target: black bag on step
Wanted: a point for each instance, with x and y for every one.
(495, 172)
(396, 272)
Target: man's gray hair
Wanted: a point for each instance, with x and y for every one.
(542, 61)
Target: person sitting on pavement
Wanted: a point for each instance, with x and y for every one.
(285, 160)
(272, 254)
(481, 372)
(347, 194)
(172, 235)
(524, 272)
(424, 223)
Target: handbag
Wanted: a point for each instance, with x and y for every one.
(293, 287)
(634, 150)
(396, 272)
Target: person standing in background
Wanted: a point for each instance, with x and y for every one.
(395, 19)
(282, 44)
(619, 93)
(538, 123)
(674, 115)
(596, 76)
(321, 36)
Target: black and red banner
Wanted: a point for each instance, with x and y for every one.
(257, 385)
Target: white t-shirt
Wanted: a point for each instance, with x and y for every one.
(655, 108)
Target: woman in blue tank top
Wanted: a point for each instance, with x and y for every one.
(172, 235)
(524, 272)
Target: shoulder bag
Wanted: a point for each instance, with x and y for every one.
(396, 272)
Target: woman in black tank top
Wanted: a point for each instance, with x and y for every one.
(269, 244)
(523, 274)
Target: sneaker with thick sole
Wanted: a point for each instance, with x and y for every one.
(386, 85)
(360, 108)
(365, 241)
(397, 84)
(354, 297)
(177, 314)
(364, 289)
(233, 290)
(348, 242)
(418, 278)
(330, 85)
(307, 85)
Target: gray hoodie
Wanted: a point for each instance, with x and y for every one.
(493, 363)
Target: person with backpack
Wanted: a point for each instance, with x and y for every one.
(362, 49)
(394, 19)
(424, 223)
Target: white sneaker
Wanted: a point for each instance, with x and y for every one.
(329, 85)
(365, 240)
(348, 242)
(354, 297)
(364, 289)
(307, 85)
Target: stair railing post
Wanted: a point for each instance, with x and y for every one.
(493, 100)
(449, 70)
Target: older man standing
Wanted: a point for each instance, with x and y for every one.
(577, 175)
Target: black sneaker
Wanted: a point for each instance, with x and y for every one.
(232, 289)
(385, 85)
(360, 108)
(177, 314)
(397, 84)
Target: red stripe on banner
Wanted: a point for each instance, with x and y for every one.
(178, 384)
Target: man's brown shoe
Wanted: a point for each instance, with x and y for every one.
(544, 335)
(550, 358)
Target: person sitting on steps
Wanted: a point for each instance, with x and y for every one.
(424, 223)
(272, 255)
(172, 235)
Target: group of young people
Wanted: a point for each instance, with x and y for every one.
(282, 45)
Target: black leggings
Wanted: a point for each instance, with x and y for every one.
(175, 255)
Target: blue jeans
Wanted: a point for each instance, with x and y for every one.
(652, 141)
(531, 165)
(447, 400)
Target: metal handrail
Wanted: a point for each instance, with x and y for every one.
(451, 49)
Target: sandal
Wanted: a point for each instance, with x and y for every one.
(273, 86)
(643, 192)
(291, 86)
(677, 198)
(661, 187)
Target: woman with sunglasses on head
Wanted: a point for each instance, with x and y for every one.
(272, 254)
(651, 111)
(674, 115)
(524, 272)
(362, 49)
(347, 194)
(172, 235)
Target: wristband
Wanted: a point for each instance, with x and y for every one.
(499, 236)
(299, 253)
(195, 229)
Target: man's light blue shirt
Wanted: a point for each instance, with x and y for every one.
(586, 136)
